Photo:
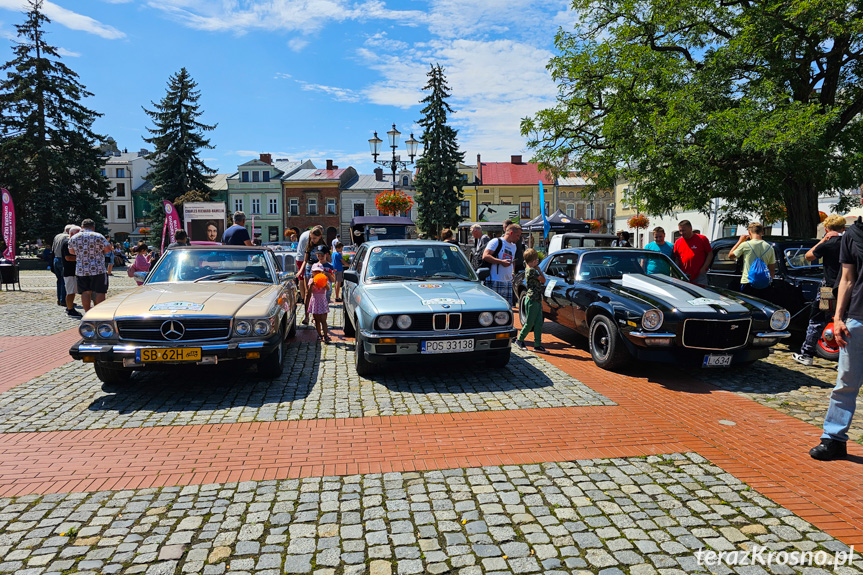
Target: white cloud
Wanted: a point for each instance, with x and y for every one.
(297, 44)
(68, 18)
(337, 94)
(281, 76)
(68, 53)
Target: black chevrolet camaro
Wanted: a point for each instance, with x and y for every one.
(637, 304)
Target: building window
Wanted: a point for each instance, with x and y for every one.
(273, 207)
(485, 191)
(331, 206)
(359, 210)
(294, 206)
(244, 176)
(266, 175)
(313, 206)
(465, 208)
(238, 204)
(104, 210)
(256, 176)
(525, 210)
(406, 181)
(728, 231)
(102, 172)
(609, 215)
(256, 205)
(570, 211)
(547, 213)
(273, 232)
(591, 211)
(121, 212)
(121, 190)
(121, 172)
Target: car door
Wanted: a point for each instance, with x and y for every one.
(724, 271)
(560, 275)
(348, 299)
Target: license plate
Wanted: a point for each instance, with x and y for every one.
(447, 346)
(717, 360)
(168, 354)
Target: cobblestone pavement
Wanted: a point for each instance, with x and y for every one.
(39, 286)
(639, 516)
(319, 382)
(36, 318)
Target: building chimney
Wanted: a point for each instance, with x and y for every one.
(478, 168)
(330, 165)
(515, 159)
(267, 158)
(379, 174)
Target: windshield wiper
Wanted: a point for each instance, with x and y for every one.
(444, 275)
(226, 275)
(391, 277)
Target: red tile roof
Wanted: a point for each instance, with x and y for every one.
(507, 173)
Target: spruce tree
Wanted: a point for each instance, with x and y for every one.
(178, 136)
(49, 157)
(438, 181)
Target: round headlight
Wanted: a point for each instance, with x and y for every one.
(106, 330)
(385, 322)
(828, 335)
(780, 319)
(485, 318)
(403, 321)
(262, 327)
(651, 320)
(243, 328)
(501, 318)
(87, 330)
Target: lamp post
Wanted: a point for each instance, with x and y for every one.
(396, 162)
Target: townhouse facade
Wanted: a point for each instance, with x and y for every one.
(311, 197)
(256, 189)
(358, 196)
(125, 172)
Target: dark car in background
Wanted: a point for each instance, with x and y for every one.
(636, 304)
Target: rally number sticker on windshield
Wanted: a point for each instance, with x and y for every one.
(178, 306)
(443, 301)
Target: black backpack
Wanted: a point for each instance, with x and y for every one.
(494, 254)
(476, 257)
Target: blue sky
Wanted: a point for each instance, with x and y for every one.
(310, 79)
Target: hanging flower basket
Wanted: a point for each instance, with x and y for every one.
(638, 222)
(594, 224)
(393, 203)
(822, 216)
(144, 230)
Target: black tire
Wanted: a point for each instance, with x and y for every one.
(272, 366)
(349, 330)
(112, 378)
(824, 352)
(606, 346)
(522, 314)
(364, 367)
(292, 330)
(499, 361)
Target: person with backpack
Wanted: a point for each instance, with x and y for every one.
(759, 261)
(480, 241)
(848, 328)
(500, 255)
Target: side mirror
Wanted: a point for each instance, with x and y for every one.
(351, 276)
(483, 273)
(140, 276)
(286, 276)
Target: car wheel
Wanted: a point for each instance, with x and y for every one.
(292, 331)
(363, 366)
(606, 346)
(271, 366)
(500, 360)
(349, 330)
(824, 351)
(112, 378)
(522, 313)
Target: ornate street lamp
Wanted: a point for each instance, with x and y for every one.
(396, 162)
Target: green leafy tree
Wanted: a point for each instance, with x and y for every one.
(178, 171)
(752, 101)
(438, 181)
(49, 157)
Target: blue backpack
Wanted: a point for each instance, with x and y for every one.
(759, 274)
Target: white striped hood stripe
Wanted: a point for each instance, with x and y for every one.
(679, 294)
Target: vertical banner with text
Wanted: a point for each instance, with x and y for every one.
(172, 223)
(8, 223)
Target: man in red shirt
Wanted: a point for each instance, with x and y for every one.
(693, 253)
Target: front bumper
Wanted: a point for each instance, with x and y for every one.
(397, 347)
(211, 353)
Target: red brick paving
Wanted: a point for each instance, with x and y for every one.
(764, 447)
(25, 357)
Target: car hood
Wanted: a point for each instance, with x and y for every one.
(432, 296)
(669, 293)
(187, 299)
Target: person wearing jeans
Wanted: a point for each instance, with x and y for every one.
(848, 328)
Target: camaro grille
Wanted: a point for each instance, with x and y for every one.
(716, 334)
(183, 330)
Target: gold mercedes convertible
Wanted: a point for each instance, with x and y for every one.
(198, 305)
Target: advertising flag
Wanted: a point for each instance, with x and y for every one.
(8, 223)
(545, 225)
(172, 222)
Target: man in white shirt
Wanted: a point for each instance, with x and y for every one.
(500, 255)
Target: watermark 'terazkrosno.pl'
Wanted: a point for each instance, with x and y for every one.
(761, 555)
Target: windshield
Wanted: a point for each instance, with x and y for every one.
(613, 265)
(442, 261)
(211, 265)
(588, 242)
(795, 259)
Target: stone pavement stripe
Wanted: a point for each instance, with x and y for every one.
(25, 357)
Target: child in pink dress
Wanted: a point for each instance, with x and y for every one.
(319, 304)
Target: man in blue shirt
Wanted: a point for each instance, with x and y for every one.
(237, 235)
(655, 266)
